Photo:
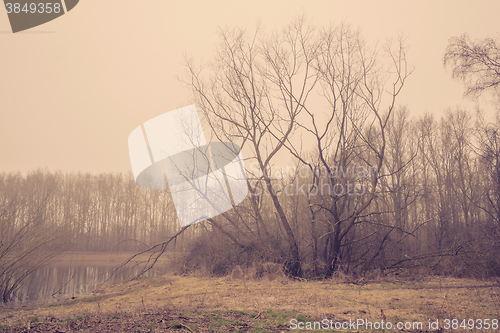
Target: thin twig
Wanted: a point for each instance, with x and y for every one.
(186, 327)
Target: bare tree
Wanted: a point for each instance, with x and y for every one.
(27, 241)
(246, 100)
(259, 93)
(488, 136)
(476, 63)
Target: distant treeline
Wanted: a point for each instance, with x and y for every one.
(106, 212)
(436, 208)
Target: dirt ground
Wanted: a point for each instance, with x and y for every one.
(269, 304)
(161, 321)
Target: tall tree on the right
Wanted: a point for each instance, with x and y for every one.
(476, 63)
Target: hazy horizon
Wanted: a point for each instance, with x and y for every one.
(73, 89)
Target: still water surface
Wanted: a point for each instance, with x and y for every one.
(63, 281)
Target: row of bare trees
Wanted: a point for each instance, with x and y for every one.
(340, 177)
(435, 207)
(45, 213)
(437, 202)
(106, 212)
(324, 100)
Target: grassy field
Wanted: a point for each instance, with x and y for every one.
(235, 304)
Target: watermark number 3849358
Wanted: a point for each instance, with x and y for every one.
(26, 14)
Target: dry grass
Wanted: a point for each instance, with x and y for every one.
(400, 299)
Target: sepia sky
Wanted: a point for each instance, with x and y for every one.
(73, 89)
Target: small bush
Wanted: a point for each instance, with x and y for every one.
(219, 256)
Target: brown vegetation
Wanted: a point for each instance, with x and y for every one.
(242, 303)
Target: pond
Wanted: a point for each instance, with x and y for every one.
(80, 275)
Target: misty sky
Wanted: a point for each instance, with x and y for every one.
(73, 89)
